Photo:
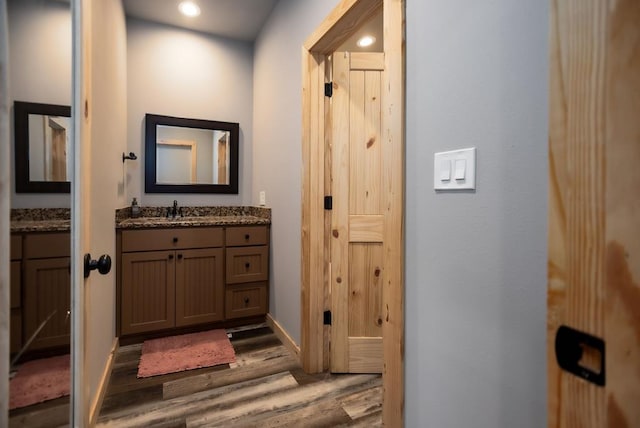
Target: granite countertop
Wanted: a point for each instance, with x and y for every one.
(155, 217)
(57, 219)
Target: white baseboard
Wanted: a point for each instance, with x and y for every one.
(104, 383)
(283, 335)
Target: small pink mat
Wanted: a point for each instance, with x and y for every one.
(40, 380)
(185, 352)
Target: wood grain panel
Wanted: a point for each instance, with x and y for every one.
(16, 330)
(340, 214)
(393, 119)
(365, 355)
(367, 61)
(148, 291)
(47, 288)
(199, 286)
(16, 281)
(365, 290)
(366, 228)
(243, 300)
(622, 309)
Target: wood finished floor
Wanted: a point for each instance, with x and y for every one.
(266, 387)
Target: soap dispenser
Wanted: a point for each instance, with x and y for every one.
(135, 208)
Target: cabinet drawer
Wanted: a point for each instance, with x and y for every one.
(247, 235)
(247, 264)
(16, 247)
(47, 245)
(16, 276)
(245, 300)
(168, 239)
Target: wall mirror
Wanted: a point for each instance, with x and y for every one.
(190, 155)
(42, 140)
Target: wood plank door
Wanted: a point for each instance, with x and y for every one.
(594, 213)
(357, 220)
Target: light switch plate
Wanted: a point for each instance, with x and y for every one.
(262, 198)
(462, 158)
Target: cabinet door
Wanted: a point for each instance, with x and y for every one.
(47, 290)
(247, 264)
(199, 286)
(148, 291)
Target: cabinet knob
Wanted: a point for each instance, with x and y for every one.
(179, 256)
(247, 236)
(170, 256)
(247, 265)
(175, 239)
(246, 301)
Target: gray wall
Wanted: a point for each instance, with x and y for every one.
(175, 72)
(475, 262)
(39, 72)
(277, 145)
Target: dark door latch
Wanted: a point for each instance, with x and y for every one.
(581, 354)
(103, 264)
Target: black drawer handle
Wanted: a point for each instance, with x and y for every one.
(247, 265)
(170, 256)
(175, 239)
(247, 236)
(246, 301)
(179, 256)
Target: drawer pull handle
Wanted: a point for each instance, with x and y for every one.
(179, 256)
(246, 301)
(247, 236)
(170, 256)
(247, 265)
(175, 239)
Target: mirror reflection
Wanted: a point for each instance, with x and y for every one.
(42, 139)
(190, 155)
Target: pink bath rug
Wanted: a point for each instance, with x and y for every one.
(185, 352)
(40, 380)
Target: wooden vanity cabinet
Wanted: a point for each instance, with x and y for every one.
(46, 288)
(247, 271)
(15, 293)
(171, 278)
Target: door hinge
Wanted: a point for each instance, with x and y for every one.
(327, 318)
(328, 202)
(328, 89)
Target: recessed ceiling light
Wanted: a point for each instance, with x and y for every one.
(189, 8)
(365, 41)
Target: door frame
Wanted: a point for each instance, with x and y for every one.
(5, 211)
(345, 18)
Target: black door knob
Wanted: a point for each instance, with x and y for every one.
(103, 264)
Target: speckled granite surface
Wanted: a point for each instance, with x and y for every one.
(57, 219)
(40, 220)
(155, 217)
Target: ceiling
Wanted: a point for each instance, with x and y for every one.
(235, 19)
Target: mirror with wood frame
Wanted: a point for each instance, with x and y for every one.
(190, 155)
(42, 140)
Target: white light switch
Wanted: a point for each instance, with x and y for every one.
(262, 198)
(445, 170)
(463, 163)
(461, 167)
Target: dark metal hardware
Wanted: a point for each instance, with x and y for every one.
(247, 265)
(179, 256)
(175, 239)
(570, 345)
(103, 264)
(247, 236)
(328, 89)
(170, 256)
(130, 156)
(246, 301)
(327, 318)
(328, 202)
